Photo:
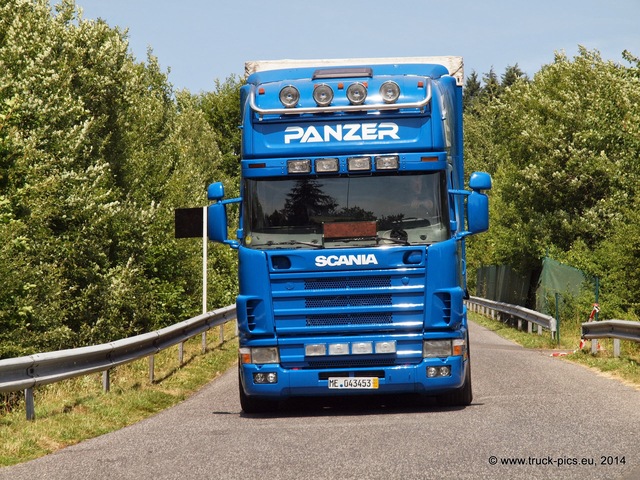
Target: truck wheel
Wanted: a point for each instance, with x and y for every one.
(461, 397)
(255, 404)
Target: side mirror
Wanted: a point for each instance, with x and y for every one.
(215, 191)
(216, 214)
(478, 203)
(478, 212)
(480, 181)
(217, 230)
(217, 222)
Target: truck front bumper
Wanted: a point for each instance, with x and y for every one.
(391, 379)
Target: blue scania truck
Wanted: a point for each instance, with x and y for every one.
(352, 226)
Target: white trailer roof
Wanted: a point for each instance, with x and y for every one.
(454, 65)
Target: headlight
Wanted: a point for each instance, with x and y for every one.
(259, 355)
(390, 92)
(444, 348)
(356, 93)
(323, 95)
(289, 96)
(436, 348)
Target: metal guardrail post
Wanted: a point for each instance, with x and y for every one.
(106, 381)
(152, 375)
(29, 404)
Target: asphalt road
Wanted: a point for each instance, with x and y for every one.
(533, 416)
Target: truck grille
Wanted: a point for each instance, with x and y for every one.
(355, 319)
(365, 300)
(347, 282)
(347, 301)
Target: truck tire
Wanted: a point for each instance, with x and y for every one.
(255, 404)
(463, 396)
(460, 397)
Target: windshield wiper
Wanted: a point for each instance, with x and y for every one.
(294, 242)
(399, 241)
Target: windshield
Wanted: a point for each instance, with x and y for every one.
(332, 212)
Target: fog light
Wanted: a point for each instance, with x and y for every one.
(390, 92)
(323, 95)
(264, 378)
(433, 372)
(289, 96)
(356, 93)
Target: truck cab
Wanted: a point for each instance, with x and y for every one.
(353, 220)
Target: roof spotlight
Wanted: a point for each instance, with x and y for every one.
(356, 93)
(289, 96)
(390, 92)
(323, 95)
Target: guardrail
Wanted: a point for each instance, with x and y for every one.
(616, 329)
(25, 373)
(499, 309)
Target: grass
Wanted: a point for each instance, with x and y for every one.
(625, 368)
(77, 409)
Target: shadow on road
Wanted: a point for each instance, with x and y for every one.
(350, 406)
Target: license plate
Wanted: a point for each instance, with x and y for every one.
(358, 383)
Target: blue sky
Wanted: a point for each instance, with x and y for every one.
(203, 40)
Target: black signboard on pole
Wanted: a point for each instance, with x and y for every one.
(188, 222)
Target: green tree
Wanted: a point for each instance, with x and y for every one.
(512, 75)
(96, 150)
(563, 150)
(222, 110)
(472, 90)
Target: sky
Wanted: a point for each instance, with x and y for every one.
(199, 41)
